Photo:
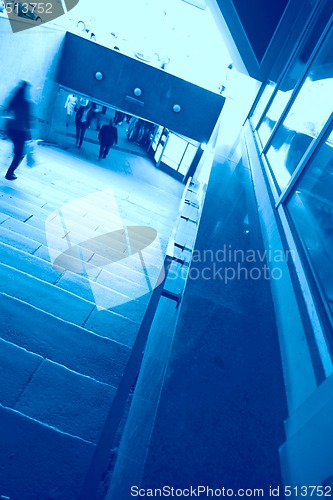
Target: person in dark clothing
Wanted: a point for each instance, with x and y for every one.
(118, 117)
(83, 119)
(18, 127)
(97, 112)
(108, 136)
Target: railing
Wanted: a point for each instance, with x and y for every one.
(177, 260)
(183, 240)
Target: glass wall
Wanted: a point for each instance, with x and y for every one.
(173, 150)
(306, 117)
(297, 130)
(292, 75)
(310, 207)
(262, 103)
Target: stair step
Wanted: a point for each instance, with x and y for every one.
(64, 399)
(53, 394)
(66, 305)
(109, 285)
(33, 233)
(38, 461)
(107, 296)
(26, 262)
(24, 200)
(58, 239)
(77, 210)
(43, 295)
(27, 223)
(12, 210)
(58, 187)
(64, 343)
(18, 241)
(127, 274)
(3, 217)
(11, 239)
(17, 369)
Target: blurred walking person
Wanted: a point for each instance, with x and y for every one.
(18, 127)
(108, 136)
(96, 116)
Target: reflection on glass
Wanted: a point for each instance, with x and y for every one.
(156, 138)
(158, 153)
(179, 153)
(288, 83)
(265, 97)
(311, 210)
(306, 118)
(273, 114)
(174, 151)
(187, 159)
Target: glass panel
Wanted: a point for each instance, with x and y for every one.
(158, 153)
(292, 76)
(311, 210)
(306, 118)
(174, 151)
(265, 97)
(157, 136)
(273, 114)
(187, 159)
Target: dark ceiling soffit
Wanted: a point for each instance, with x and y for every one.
(238, 44)
(234, 36)
(285, 32)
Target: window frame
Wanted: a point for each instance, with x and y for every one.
(318, 309)
(299, 45)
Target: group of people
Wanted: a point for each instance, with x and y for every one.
(18, 117)
(108, 134)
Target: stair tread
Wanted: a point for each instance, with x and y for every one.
(31, 231)
(17, 368)
(44, 295)
(108, 286)
(52, 393)
(21, 242)
(37, 216)
(66, 305)
(57, 239)
(69, 401)
(25, 244)
(67, 344)
(39, 461)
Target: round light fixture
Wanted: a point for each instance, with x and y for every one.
(137, 92)
(177, 108)
(99, 75)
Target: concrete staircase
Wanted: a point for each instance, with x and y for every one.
(62, 357)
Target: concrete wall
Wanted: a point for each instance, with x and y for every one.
(82, 58)
(31, 55)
